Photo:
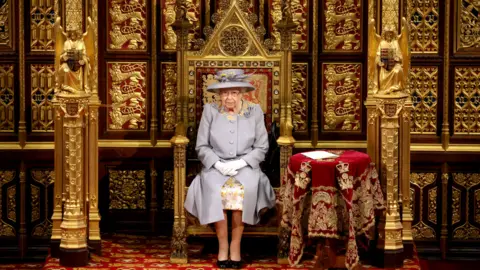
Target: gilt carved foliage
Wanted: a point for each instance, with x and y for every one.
(424, 26)
(8, 203)
(41, 188)
(169, 37)
(300, 16)
(7, 97)
(467, 26)
(42, 20)
(127, 189)
(466, 221)
(42, 92)
(127, 95)
(466, 112)
(424, 197)
(7, 23)
(169, 95)
(342, 96)
(424, 93)
(342, 25)
(300, 96)
(127, 25)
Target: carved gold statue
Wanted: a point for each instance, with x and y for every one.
(389, 59)
(73, 52)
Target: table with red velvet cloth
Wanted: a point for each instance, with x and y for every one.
(345, 192)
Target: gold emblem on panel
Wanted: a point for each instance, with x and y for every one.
(127, 25)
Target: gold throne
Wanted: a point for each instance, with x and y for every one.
(233, 43)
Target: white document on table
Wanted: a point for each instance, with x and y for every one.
(319, 155)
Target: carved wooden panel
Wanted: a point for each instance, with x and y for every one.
(169, 38)
(342, 23)
(424, 92)
(424, 26)
(424, 199)
(300, 16)
(300, 96)
(42, 20)
(127, 95)
(127, 189)
(342, 96)
(467, 33)
(42, 92)
(8, 203)
(127, 25)
(169, 95)
(465, 195)
(7, 24)
(7, 98)
(466, 116)
(168, 192)
(41, 196)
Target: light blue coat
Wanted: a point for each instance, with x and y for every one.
(219, 138)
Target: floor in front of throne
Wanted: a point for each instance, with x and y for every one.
(140, 252)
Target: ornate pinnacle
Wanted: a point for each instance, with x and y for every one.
(182, 25)
(286, 25)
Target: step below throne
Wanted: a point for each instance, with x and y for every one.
(233, 43)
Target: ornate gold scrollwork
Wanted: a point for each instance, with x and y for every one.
(342, 96)
(342, 25)
(193, 15)
(6, 14)
(127, 85)
(42, 91)
(168, 190)
(300, 96)
(424, 25)
(456, 205)
(12, 203)
(477, 205)
(169, 108)
(42, 20)
(424, 88)
(127, 25)
(233, 41)
(6, 177)
(7, 98)
(432, 205)
(127, 189)
(299, 11)
(467, 230)
(421, 230)
(466, 117)
(468, 23)
(45, 178)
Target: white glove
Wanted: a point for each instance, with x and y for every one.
(225, 169)
(237, 164)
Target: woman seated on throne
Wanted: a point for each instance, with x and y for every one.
(231, 142)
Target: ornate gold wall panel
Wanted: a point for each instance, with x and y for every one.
(342, 96)
(42, 180)
(468, 183)
(456, 205)
(424, 92)
(424, 26)
(390, 13)
(127, 189)
(7, 98)
(467, 33)
(6, 176)
(42, 87)
(300, 16)
(127, 95)
(127, 25)
(169, 38)
(42, 20)
(7, 23)
(423, 183)
(169, 95)
(466, 117)
(168, 191)
(342, 25)
(300, 96)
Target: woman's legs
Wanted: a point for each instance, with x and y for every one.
(221, 227)
(237, 231)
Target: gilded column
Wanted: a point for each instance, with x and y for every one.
(94, 239)
(154, 121)
(446, 76)
(22, 125)
(404, 191)
(315, 73)
(180, 141)
(390, 242)
(286, 26)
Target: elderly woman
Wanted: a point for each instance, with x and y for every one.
(231, 142)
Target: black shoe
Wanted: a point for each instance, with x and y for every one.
(223, 264)
(236, 264)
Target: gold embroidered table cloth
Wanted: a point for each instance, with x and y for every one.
(345, 193)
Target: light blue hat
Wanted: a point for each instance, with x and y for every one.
(230, 78)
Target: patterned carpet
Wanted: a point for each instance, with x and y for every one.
(137, 252)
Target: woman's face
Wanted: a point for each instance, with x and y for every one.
(230, 97)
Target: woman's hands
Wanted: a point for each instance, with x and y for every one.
(230, 168)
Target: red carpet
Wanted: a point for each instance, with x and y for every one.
(137, 252)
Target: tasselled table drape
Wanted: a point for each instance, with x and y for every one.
(345, 192)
